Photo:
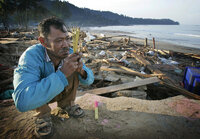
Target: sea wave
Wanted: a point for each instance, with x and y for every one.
(190, 35)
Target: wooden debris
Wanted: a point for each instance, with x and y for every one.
(154, 44)
(6, 82)
(130, 93)
(121, 86)
(147, 64)
(128, 71)
(181, 90)
(145, 42)
(140, 59)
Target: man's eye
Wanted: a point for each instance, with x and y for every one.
(59, 41)
(67, 38)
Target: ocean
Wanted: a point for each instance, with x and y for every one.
(185, 35)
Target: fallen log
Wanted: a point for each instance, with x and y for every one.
(114, 88)
(128, 71)
(181, 90)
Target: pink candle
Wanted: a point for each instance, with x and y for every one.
(96, 110)
(96, 104)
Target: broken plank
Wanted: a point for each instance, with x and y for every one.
(114, 88)
(182, 91)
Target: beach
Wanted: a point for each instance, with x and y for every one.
(116, 35)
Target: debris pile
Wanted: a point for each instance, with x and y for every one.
(114, 60)
(127, 72)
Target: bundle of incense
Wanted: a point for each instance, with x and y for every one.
(75, 38)
(96, 110)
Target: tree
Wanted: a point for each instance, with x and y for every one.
(60, 9)
(25, 9)
(7, 7)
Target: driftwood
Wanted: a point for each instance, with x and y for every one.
(140, 59)
(6, 82)
(171, 82)
(128, 71)
(182, 91)
(129, 85)
(147, 64)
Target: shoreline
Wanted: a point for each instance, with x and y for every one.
(159, 44)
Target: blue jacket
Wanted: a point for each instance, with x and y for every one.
(36, 82)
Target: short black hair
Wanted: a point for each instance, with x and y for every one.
(44, 26)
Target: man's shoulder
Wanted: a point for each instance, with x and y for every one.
(37, 48)
(35, 52)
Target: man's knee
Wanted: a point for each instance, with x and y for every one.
(73, 83)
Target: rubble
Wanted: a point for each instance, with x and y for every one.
(128, 76)
(112, 59)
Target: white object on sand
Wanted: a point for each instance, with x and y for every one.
(102, 53)
(168, 61)
(102, 35)
(89, 37)
(151, 53)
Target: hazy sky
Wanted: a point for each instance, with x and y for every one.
(183, 11)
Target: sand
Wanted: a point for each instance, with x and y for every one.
(120, 117)
(159, 44)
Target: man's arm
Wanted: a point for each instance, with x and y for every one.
(30, 89)
(89, 78)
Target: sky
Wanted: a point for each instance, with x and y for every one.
(183, 11)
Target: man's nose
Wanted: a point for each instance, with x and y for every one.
(66, 43)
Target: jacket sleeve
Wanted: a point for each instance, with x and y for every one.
(30, 89)
(90, 77)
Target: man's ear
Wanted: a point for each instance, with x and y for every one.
(42, 41)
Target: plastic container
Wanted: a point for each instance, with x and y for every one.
(196, 85)
(191, 79)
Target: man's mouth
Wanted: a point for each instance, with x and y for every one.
(65, 52)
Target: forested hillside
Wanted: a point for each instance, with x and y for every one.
(24, 13)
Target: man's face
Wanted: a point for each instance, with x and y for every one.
(58, 43)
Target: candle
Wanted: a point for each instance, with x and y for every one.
(96, 110)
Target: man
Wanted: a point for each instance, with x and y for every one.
(49, 72)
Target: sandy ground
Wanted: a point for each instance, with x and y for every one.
(159, 45)
(122, 117)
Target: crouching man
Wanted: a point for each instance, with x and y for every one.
(50, 72)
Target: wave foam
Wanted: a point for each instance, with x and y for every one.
(190, 35)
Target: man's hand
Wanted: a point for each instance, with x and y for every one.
(80, 67)
(70, 64)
